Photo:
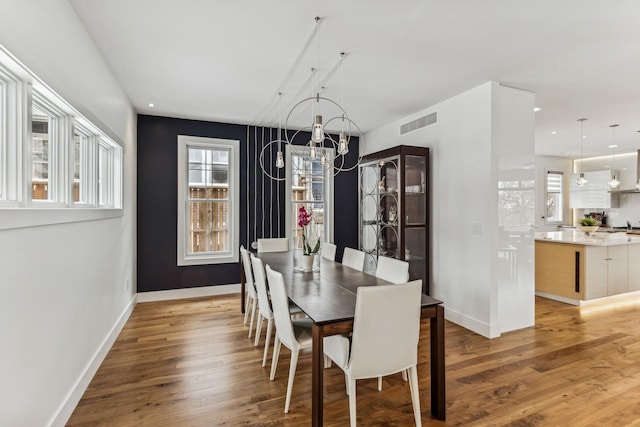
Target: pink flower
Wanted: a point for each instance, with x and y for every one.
(304, 217)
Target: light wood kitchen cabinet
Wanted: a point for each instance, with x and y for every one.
(560, 269)
(586, 272)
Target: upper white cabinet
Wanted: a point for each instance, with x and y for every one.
(595, 194)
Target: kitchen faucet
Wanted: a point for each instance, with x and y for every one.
(628, 225)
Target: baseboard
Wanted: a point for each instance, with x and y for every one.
(559, 298)
(471, 323)
(203, 291)
(70, 402)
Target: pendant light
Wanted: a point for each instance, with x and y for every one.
(581, 181)
(638, 183)
(614, 182)
(279, 156)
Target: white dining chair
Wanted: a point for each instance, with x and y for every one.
(392, 270)
(353, 258)
(252, 296)
(386, 331)
(294, 334)
(273, 245)
(264, 306)
(328, 251)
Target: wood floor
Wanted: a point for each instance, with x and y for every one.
(189, 363)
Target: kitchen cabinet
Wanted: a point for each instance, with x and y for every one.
(595, 194)
(634, 268)
(596, 269)
(607, 271)
(394, 209)
(560, 269)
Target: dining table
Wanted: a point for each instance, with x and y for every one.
(327, 295)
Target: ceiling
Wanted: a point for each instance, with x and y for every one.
(227, 60)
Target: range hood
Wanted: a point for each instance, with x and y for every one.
(634, 189)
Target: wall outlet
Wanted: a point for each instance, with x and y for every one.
(476, 228)
(127, 284)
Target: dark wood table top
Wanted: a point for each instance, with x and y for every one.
(327, 295)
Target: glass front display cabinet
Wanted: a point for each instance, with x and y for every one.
(394, 209)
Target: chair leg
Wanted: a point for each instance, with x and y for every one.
(258, 329)
(246, 310)
(267, 341)
(352, 402)
(292, 374)
(346, 383)
(254, 308)
(404, 375)
(415, 394)
(274, 357)
(327, 362)
(379, 383)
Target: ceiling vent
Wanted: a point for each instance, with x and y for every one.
(428, 120)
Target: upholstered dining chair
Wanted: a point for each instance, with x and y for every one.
(294, 334)
(264, 306)
(392, 270)
(328, 251)
(386, 331)
(353, 258)
(273, 245)
(252, 296)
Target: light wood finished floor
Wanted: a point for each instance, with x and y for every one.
(189, 363)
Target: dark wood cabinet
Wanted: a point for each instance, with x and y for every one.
(394, 209)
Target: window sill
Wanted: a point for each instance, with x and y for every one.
(29, 217)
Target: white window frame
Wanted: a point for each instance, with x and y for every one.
(562, 198)
(328, 191)
(232, 255)
(19, 88)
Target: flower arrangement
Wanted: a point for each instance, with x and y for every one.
(304, 219)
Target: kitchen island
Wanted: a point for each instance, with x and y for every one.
(573, 268)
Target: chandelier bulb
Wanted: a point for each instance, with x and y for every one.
(323, 158)
(279, 160)
(343, 144)
(638, 184)
(312, 149)
(317, 133)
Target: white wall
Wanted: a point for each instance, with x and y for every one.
(63, 286)
(465, 161)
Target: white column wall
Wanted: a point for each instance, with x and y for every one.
(63, 287)
(465, 156)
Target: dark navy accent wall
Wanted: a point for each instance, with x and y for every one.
(157, 201)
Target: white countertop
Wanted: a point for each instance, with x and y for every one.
(577, 237)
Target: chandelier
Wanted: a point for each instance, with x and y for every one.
(328, 143)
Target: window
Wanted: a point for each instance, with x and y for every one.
(41, 141)
(311, 186)
(51, 156)
(555, 197)
(208, 200)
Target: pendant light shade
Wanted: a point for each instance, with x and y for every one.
(581, 181)
(614, 182)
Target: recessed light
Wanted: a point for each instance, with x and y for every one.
(151, 104)
(612, 146)
(553, 132)
(536, 109)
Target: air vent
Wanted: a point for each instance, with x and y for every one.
(428, 120)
